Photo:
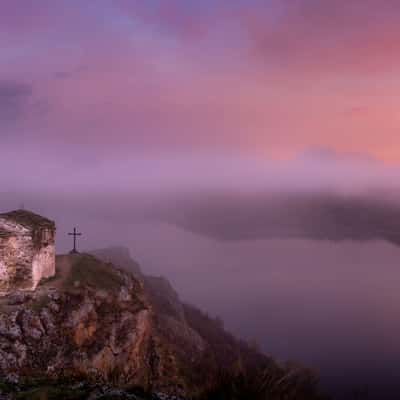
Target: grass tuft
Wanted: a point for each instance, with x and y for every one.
(87, 270)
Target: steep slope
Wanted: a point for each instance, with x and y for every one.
(213, 363)
(98, 324)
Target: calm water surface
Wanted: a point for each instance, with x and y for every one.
(332, 306)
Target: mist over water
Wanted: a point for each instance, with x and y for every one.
(332, 306)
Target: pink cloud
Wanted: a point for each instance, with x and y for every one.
(335, 37)
(262, 77)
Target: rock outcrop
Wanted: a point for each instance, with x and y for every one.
(94, 324)
(98, 324)
(27, 251)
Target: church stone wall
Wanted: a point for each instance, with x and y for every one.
(16, 254)
(43, 263)
(25, 257)
(14, 227)
(6, 258)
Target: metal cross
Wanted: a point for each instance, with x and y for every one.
(74, 234)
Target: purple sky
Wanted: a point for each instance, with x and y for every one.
(268, 78)
(141, 99)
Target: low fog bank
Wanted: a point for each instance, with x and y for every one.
(153, 174)
(318, 194)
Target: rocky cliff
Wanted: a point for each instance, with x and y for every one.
(98, 324)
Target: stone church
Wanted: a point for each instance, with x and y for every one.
(27, 250)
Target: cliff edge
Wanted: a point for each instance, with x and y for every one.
(99, 324)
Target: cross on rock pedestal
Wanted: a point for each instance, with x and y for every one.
(74, 234)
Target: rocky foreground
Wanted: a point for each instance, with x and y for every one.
(101, 331)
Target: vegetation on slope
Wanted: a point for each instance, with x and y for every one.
(104, 326)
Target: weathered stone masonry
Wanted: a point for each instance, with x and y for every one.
(27, 251)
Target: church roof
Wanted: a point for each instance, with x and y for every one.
(27, 219)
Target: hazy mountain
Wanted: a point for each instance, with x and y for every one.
(318, 215)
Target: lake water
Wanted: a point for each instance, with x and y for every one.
(334, 307)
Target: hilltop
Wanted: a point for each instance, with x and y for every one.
(96, 326)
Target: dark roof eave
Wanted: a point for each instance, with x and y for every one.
(28, 219)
